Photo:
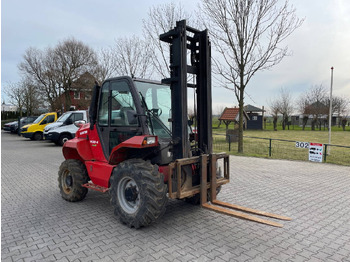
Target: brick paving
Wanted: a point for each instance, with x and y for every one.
(38, 225)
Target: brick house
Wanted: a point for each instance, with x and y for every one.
(80, 93)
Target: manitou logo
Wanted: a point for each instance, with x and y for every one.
(83, 133)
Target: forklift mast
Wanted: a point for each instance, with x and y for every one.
(187, 43)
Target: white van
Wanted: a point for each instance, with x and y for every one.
(65, 127)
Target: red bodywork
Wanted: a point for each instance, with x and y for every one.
(86, 147)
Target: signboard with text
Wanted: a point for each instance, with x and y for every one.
(316, 152)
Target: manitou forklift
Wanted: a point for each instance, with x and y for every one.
(139, 145)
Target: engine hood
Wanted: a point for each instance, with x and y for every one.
(53, 125)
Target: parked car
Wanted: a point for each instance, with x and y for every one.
(35, 130)
(13, 126)
(65, 127)
(7, 127)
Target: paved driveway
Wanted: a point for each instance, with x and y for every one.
(38, 225)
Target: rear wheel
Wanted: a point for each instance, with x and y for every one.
(138, 193)
(71, 176)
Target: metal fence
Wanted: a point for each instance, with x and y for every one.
(279, 149)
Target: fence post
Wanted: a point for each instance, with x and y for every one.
(270, 148)
(325, 153)
(229, 143)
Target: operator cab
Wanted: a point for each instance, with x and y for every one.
(132, 107)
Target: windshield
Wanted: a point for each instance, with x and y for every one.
(158, 99)
(39, 119)
(64, 117)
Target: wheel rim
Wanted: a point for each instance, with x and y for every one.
(64, 140)
(67, 182)
(128, 195)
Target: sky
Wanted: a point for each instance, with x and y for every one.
(320, 43)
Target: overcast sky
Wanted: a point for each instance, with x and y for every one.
(321, 42)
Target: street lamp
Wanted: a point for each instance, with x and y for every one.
(330, 113)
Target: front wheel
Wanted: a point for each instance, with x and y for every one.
(71, 176)
(138, 193)
(63, 139)
(37, 136)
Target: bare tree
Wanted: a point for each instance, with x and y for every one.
(285, 107)
(15, 92)
(161, 19)
(24, 95)
(315, 103)
(340, 105)
(107, 65)
(38, 66)
(32, 99)
(72, 58)
(248, 37)
(275, 106)
(133, 57)
(302, 105)
(53, 70)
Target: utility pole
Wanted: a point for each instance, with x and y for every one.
(330, 113)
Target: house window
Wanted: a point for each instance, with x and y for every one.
(254, 118)
(87, 96)
(76, 95)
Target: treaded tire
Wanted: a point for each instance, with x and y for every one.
(38, 136)
(63, 139)
(71, 175)
(138, 193)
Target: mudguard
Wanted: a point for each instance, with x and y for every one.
(77, 148)
(135, 144)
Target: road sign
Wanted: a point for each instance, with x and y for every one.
(316, 152)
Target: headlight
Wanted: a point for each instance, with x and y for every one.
(149, 140)
(50, 128)
(24, 129)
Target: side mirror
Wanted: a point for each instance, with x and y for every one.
(132, 117)
(79, 123)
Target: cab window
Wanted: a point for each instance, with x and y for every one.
(103, 113)
(77, 117)
(48, 119)
(122, 105)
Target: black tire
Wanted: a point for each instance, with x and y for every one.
(63, 139)
(138, 193)
(71, 176)
(38, 136)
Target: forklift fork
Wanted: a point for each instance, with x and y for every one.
(217, 205)
(181, 187)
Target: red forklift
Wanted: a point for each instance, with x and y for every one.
(139, 145)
